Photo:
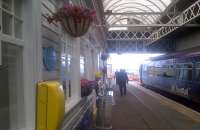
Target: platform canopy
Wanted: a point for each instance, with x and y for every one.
(123, 14)
(133, 21)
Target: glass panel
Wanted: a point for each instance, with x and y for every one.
(181, 76)
(69, 57)
(120, 6)
(89, 4)
(7, 23)
(188, 66)
(18, 7)
(12, 90)
(198, 65)
(18, 29)
(179, 66)
(170, 72)
(77, 2)
(198, 75)
(7, 4)
(0, 20)
(68, 62)
(167, 2)
(187, 75)
(53, 1)
(82, 65)
(178, 73)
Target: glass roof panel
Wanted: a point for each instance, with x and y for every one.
(130, 9)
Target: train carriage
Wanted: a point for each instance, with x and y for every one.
(175, 73)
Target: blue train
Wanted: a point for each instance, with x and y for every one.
(177, 73)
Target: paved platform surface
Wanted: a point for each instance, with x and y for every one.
(139, 110)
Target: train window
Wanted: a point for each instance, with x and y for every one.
(144, 68)
(184, 72)
(187, 74)
(178, 73)
(179, 66)
(150, 70)
(198, 65)
(198, 72)
(181, 76)
(170, 72)
(188, 66)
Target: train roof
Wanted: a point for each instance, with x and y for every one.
(180, 54)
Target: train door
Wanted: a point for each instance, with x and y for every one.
(195, 90)
(184, 78)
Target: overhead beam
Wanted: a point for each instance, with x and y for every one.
(145, 25)
(128, 35)
(183, 19)
(134, 13)
(151, 25)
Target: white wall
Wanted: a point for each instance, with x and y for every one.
(32, 64)
(32, 58)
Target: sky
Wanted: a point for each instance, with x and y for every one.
(128, 61)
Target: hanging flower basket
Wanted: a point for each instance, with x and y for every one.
(86, 87)
(75, 20)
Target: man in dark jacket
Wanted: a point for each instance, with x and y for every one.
(122, 80)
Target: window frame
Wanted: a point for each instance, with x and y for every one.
(182, 69)
(14, 18)
(197, 68)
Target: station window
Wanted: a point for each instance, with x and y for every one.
(11, 94)
(11, 15)
(69, 60)
(82, 66)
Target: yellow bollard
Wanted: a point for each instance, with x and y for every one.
(50, 105)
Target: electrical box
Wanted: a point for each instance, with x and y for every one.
(50, 105)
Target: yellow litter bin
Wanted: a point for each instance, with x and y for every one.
(98, 74)
(50, 105)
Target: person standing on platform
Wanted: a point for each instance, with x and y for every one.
(122, 81)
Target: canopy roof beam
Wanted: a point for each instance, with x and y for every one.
(151, 25)
(137, 13)
(128, 35)
(183, 19)
(144, 25)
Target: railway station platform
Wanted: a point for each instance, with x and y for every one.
(143, 109)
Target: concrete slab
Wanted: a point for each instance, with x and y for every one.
(139, 110)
